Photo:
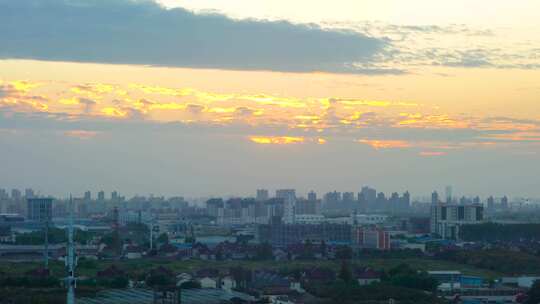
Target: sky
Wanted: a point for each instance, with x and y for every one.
(211, 98)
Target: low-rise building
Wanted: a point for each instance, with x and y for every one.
(286, 234)
(448, 280)
(372, 238)
(367, 276)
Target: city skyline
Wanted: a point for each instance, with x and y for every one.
(261, 193)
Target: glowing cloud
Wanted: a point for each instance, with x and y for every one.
(69, 101)
(328, 117)
(432, 153)
(82, 134)
(517, 137)
(385, 144)
(113, 112)
(24, 86)
(276, 140)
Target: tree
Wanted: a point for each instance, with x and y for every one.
(499, 232)
(264, 252)
(344, 253)
(158, 280)
(241, 276)
(116, 282)
(219, 254)
(533, 295)
(324, 248)
(404, 276)
(190, 285)
(55, 236)
(345, 272)
(307, 251)
(163, 239)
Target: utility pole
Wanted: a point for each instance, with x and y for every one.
(46, 246)
(71, 260)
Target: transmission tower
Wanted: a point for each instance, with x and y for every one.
(71, 260)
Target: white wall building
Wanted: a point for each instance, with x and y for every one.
(446, 219)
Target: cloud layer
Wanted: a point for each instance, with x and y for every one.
(88, 110)
(142, 32)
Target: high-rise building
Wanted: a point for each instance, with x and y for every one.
(405, 201)
(289, 204)
(262, 195)
(101, 196)
(491, 204)
(15, 194)
(114, 196)
(286, 194)
(394, 202)
(381, 201)
(332, 198)
(3, 194)
(312, 196)
(434, 198)
(213, 205)
(39, 209)
(504, 203)
(370, 196)
(447, 219)
(88, 196)
(348, 196)
(28, 193)
(448, 194)
(305, 207)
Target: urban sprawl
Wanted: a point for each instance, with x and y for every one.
(276, 247)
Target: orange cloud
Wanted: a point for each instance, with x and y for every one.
(276, 140)
(82, 134)
(371, 103)
(517, 136)
(438, 121)
(385, 144)
(432, 153)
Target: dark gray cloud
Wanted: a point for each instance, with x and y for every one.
(143, 32)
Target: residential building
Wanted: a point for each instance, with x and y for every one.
(262, 195)
(446, 219)
(39, 209)
(289, 207)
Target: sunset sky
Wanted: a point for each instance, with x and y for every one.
(202, 98)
